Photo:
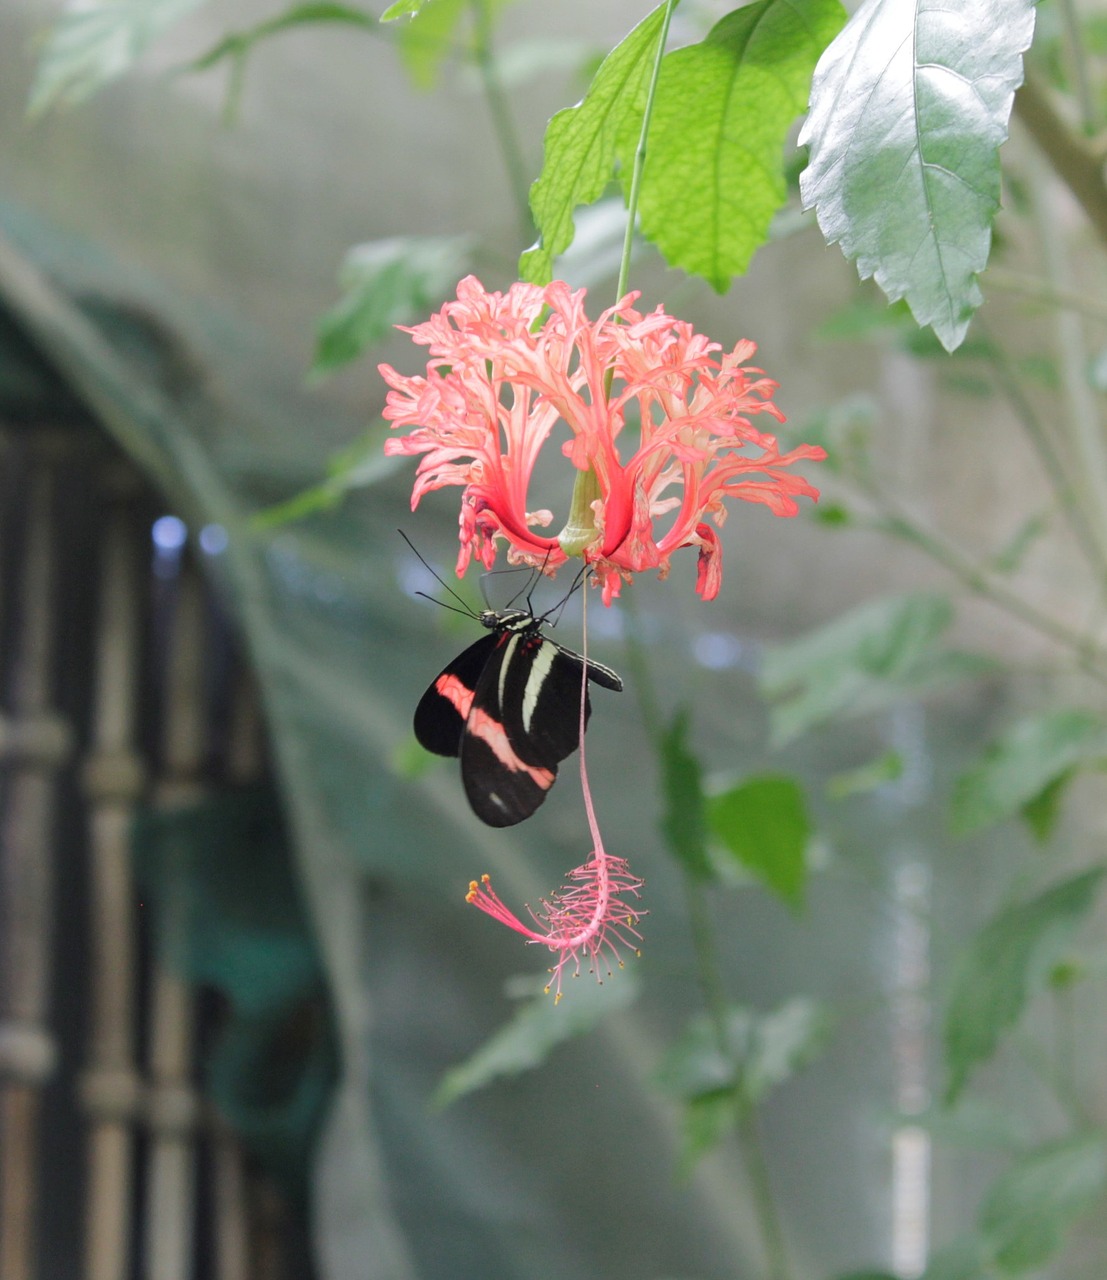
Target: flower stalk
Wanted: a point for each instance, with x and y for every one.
(592, 919)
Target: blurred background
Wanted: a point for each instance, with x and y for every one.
(237, 959)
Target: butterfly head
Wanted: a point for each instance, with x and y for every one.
(507, 619)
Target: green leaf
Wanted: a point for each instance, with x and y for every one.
(1027, 769)
(867, 777)
(95, 42)
(386, 282)
(581, 145)
(834, 515)
(1008, 962)
(434, 33)
(714, 172)
(1011, 557)
(708, 1118)
(785, 1041)
(402, 9)
(1026, 1211)
(763, 822)
(534, 1032)
(909, 107)
(757, 1052)
(719, 1073)
(684, 823)
(857, 663)
(978, 1123)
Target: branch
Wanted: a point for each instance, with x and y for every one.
(1075, 159)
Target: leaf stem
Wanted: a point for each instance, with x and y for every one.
(502, 118)
(1073, 157)
(707, 959)
(1042, 291)
(1077, 64)
(1081, 421)
(1038, 1059)
(1064, 1015)
(1007, 381)
(1088, 655)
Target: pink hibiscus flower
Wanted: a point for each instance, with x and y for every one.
(659, 423)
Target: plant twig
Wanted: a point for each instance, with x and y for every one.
(1074, 158)
(502, 118)
(757, 1171)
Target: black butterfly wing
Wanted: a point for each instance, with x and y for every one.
(541, 700)
(443, 710)
(504, 776)
(509, 706)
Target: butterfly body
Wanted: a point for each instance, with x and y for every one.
(509, 708)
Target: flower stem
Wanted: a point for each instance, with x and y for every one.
(707, 958)
(757, 1170)
(640, 152)
(502, 119)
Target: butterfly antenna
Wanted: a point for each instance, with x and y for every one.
(555, 612)
(538, 575)
(465, 609)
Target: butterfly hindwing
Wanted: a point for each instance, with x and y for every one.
(503, 780)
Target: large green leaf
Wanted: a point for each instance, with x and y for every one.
(1034, 759)
(581, 145)
(909, 107)
(1007, 963)
(385, 282)
(860, 662)
(1027, 1209)
(538, 1026)
(714, 173)
(94, 42)
(763, 823)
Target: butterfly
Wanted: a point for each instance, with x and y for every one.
(509, 708)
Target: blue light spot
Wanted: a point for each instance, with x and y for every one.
(169, 533)
(717, 650)
(213, 539)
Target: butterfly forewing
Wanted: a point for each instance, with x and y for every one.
(443, 710)
(541, 700)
